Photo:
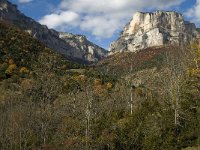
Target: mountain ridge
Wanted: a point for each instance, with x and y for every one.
(144, 100)
(49, 37)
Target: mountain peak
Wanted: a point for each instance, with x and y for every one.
(154, 29)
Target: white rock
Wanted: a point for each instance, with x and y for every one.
(155, 29)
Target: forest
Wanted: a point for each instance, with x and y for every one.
(50, 103)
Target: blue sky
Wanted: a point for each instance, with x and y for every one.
(100, 20)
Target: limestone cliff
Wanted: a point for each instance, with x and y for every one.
(91, 51)
(155, 29)
(51, 38)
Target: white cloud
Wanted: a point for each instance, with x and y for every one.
(103, 17)
(100, 26)
(105, 6)
(25, 1)
(194, 12)
(57, 20)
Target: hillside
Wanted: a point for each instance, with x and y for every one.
(47, 102)
(123, 62)
(20, 53)
(144, 96)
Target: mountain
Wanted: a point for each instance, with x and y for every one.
(50, 37)
(160, 28)
(84, 47)
(21, 54)
(147, 100)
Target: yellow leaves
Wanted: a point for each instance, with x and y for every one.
(80, 78)
(198, 52)
(13, 66)
(193, 72)
(10, 69)
(97, 82)
(100, 88)
(197, 59)
(195, 46)
(109, 86)
(24, 70)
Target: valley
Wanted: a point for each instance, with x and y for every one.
(59, 91)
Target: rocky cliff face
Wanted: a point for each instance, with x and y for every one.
(155, 29)
(71, 47)
(82, 46)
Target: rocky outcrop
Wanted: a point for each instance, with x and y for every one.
(81, 45)
(154, 30)
(71, 46)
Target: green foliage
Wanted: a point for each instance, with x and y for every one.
(19, 50)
